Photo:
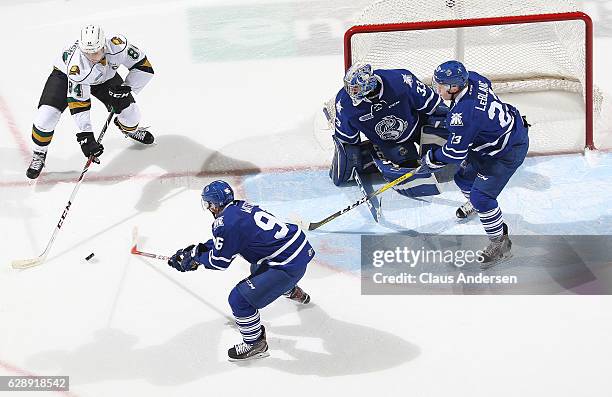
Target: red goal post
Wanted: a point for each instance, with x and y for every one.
(586, 80)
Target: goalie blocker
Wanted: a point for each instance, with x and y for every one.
(391, 162)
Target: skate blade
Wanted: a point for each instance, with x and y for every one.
(253, 357)
(504, 259)
(464, 219)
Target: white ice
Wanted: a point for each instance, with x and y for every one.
(122, 325)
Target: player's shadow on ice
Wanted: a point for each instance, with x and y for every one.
(346, 348)
(183, 162)
(196, 353)
(113, 354)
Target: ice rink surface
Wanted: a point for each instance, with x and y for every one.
(236, 94)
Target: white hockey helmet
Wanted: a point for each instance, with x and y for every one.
(92, 39)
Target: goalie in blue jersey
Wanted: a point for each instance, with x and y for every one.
(489, 138)
(398, 114)
(278, 252)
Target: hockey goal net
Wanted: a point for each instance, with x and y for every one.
(538, 53)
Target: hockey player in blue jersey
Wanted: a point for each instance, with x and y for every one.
(278, 252)
(389, 107)
(490, 139)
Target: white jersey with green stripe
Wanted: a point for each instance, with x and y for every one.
(83, 73)
(80, 70)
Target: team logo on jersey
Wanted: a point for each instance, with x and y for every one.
(338, 107)
(74, 69)
(117, 41)
(218, 222)
(456, 119)
(484, 178)
(390, 128)
(246, 207)
(408, 79)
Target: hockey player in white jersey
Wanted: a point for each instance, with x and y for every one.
(85, 68)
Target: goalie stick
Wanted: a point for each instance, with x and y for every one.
(316, 225)
(365, 186)
(26, 263)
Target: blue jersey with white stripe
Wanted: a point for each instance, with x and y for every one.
(403, 101)
(247, 230)
(480, 122)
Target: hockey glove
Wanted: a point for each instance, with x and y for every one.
(120, 97)
(88, 143)
(429, 164)
(183, 260)
(438, 118)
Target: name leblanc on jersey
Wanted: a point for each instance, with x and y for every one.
(483, 96)
(430, 278)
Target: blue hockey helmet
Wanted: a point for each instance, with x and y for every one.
(451, 74)
(359, 81)
(217, 194)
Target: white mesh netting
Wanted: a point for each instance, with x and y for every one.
(546, 59)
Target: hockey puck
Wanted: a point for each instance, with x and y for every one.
(88, 257)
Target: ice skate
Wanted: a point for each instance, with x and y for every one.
(244, 351)
(36, 165)
(297, 294)
(497, 251)
(141, 134)
(465, 210)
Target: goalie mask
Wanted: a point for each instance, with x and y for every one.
(359, 81)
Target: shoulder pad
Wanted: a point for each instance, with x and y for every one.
(116, 44)
(343, 99)
(69, 52)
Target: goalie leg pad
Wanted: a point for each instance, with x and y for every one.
(432, 138)
(415, 186)
(346, 158)
(405, 154)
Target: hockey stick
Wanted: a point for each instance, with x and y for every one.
(316, 225)
(148, 254)
(25, 263)
(374, 204)
(135, 251)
